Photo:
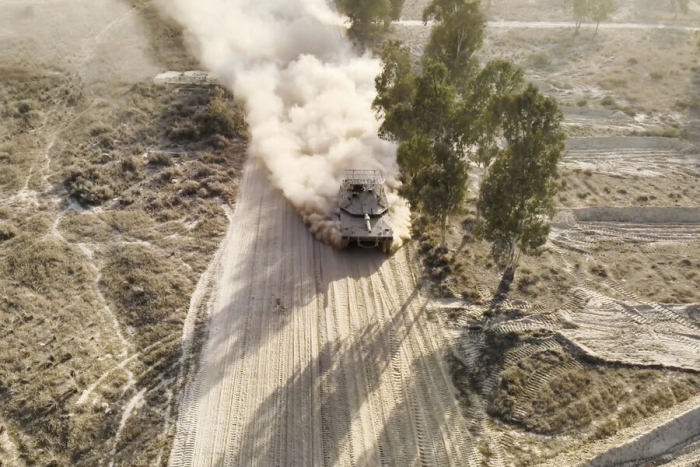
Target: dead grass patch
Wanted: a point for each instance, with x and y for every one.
(145, 288)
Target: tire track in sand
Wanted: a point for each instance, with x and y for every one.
(316, 356)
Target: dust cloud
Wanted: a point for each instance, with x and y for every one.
(308, 97)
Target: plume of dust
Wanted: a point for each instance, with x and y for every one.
(308, 98)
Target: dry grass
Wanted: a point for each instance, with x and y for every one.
(100, 237)
(609, 71)
(594, 188)
(146, 290)
(600, 398)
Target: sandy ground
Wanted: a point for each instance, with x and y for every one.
(319, 357)
(316, 356)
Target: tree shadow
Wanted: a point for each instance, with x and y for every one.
(349, 378)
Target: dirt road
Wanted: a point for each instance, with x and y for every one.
(316, 356)
(558, 25)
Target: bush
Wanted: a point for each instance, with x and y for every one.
(160, 159)
(540, 60)
(608, 101)
(88, 186)
(599, 270)
(7, 231)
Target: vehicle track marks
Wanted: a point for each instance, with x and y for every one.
(316, 356)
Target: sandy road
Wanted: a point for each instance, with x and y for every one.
(316, 356)
(557, 25)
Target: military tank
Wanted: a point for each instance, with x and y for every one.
(364, 210)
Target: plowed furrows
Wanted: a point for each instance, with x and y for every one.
(244, 435)
(449, 420)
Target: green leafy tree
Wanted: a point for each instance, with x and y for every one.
(396, 89)
(368, 18)
(414, 156)
(516, 195)
(600, 10)
(476, 129)
(457, 34)
(419, 112)
(435, 102)
(444, 185)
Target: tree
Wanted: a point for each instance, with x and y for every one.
(419, 112)
(444, 185)
(369, 17)
(476, 130)
(396, 88)
(680, 6)
(580, 10)
(435, 103)
(516, 195)
(457, 34)
(600, 10)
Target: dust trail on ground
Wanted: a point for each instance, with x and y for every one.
(308, 97)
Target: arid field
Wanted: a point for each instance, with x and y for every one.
(163, 303)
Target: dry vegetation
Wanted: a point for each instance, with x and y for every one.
(111, 205)
(646, 74)
(542, 395)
